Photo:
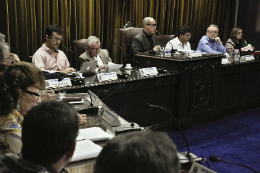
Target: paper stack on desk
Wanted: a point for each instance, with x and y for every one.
(86, 149)
(93, 134)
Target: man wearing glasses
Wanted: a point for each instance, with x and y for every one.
(94, 52)
(146, 39)
(211, 43)
(181, 42)
(49, 57)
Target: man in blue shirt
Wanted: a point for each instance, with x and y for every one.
(211, 43)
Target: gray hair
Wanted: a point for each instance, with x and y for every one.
(92, 39)
(4, 47)
(147, 20)
(2, 37)
(212, 25)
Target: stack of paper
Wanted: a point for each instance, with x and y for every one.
(93, 134)
(86, 149)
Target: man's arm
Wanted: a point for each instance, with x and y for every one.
(37, 60)
(204, 47)
(107, 57)
(137, 46)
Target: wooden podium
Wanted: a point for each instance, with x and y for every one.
(198, 85)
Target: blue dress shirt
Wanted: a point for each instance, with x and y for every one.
(207, 46)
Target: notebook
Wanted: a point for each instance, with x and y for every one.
(88, 67)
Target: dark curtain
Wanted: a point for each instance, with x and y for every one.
(24, 21)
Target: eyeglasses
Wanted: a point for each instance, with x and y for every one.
(37, 95)
(153, 25)
(215, 32)
(56, 38)
(10, 57)
(94, 49)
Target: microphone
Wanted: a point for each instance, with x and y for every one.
(117, 44)
(216, 159)
(67, 49)
(88, 109)
(158, 32)
(186, 158)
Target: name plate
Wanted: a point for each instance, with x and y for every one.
(52, 83)
(95, 100)
(65, 82)
(197, 168)
(107, 76)
(248, 57)
(194, 54)
(148, 71)
(110, 117)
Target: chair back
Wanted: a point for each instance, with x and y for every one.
(79, 47)
(162, 40)
(126, 38)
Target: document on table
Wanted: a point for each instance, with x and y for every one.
(114, 67)
(86, 149)
(93, 134)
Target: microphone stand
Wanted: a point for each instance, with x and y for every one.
(72, 53)
(186, 158)
(88, 109)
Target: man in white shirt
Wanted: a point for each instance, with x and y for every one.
(94, 52)
(181, 42)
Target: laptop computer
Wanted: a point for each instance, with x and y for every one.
(88, 67)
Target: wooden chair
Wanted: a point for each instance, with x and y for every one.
(79, 47)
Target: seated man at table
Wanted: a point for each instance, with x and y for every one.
(146, 39)
(139, 152)
(181, 42)
(94, 52)
(49, 139)
(211, 43)
(49, 57)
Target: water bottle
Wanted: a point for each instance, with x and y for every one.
(236, 55)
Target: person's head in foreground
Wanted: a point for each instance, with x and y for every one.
(139, 152)
(5, 54)
(24, 81)
(49, 134)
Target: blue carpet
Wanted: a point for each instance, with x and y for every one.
(234, 138)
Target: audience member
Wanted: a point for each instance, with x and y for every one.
(20, 86)
(49, 139)
(49, 57)
(13, 56)
(139, 152)
(5, 58)
(94, 52)
(211, 43)
(237, 42)
(181, 42)
(146, 39)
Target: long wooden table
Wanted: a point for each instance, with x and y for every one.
(195, 90)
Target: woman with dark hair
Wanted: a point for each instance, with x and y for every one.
(20, 86)
(237, 42)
